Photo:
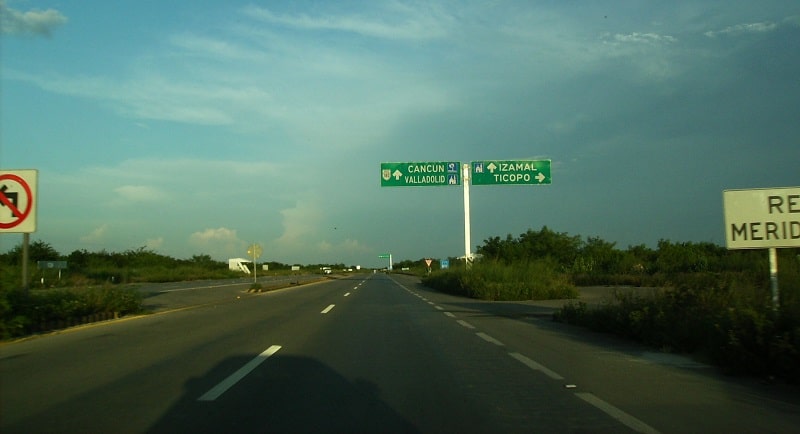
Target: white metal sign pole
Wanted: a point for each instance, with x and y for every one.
(465, 179)
(773, 277)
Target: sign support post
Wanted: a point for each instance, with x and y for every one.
(26, 239)
(255, 251)
(389, 257)
(465, 175)
(773, 278)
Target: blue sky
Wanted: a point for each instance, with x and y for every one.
(198, 127)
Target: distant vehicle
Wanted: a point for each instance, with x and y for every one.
(326, 270)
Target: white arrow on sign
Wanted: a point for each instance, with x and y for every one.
(540, 177)
(491, 167)
(397, 175)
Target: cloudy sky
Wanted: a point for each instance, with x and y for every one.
(198, 127)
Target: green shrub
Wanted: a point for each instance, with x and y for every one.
(724, 317)
(496, 281)
(23, 312)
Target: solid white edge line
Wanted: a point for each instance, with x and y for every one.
(234, 378)
(624, 418)
(328, 309)
(535, 366)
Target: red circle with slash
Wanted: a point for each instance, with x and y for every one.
(21, 215)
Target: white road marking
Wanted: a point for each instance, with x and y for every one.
(328, 309)
(450, 314)
(625, 418)
(347, 294)
(234, 378)
(535, 366)
(438, 307)
(488, 338)
(465, 324)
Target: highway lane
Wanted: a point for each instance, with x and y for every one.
(174, 295)
(369, 353)
(670, 393)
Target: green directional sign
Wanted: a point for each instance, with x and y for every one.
(420, 174)
(511, 172)
(384, 255)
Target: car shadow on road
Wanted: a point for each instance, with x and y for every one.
(285, 394)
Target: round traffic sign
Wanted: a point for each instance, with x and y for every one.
(254, 251)
(11, 202)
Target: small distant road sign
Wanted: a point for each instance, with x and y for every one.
(421, 174)
(55, 265)
(384, 255)
(18, 200)
(511, 172)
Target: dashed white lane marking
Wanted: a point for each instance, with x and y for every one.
(328, 309)
(625, 418)
(234, 378)
(466, 324)
(535, 366)
(490, 339)
(347, 294)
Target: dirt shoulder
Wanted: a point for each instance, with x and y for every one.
(595, 296)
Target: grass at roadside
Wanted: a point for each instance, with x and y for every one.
(494, 281)
(23, 313)
(726, 319)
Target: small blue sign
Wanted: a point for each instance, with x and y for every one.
(445, 264)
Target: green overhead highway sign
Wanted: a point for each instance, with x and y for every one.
(384, 255)
(427, 173)
(511, 172)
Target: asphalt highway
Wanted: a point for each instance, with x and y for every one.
(364, 353)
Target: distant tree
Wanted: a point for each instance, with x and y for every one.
(203, 260)
(37, 251)
(681, 257)
(600, 256)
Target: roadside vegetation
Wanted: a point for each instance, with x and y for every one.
(95, 286)
(700, 298)
(696, 298)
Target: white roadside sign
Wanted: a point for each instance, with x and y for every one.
(762, 218)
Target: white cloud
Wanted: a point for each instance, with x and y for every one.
(138, 193)
(299, 224)
(154, 243)
(643, 38)
(33, 22)
(760, 27)
(219, 242)
(409, 23)
(95, 236)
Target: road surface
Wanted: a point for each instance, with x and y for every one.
(366, 353)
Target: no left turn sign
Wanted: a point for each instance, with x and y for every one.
(18, 200)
